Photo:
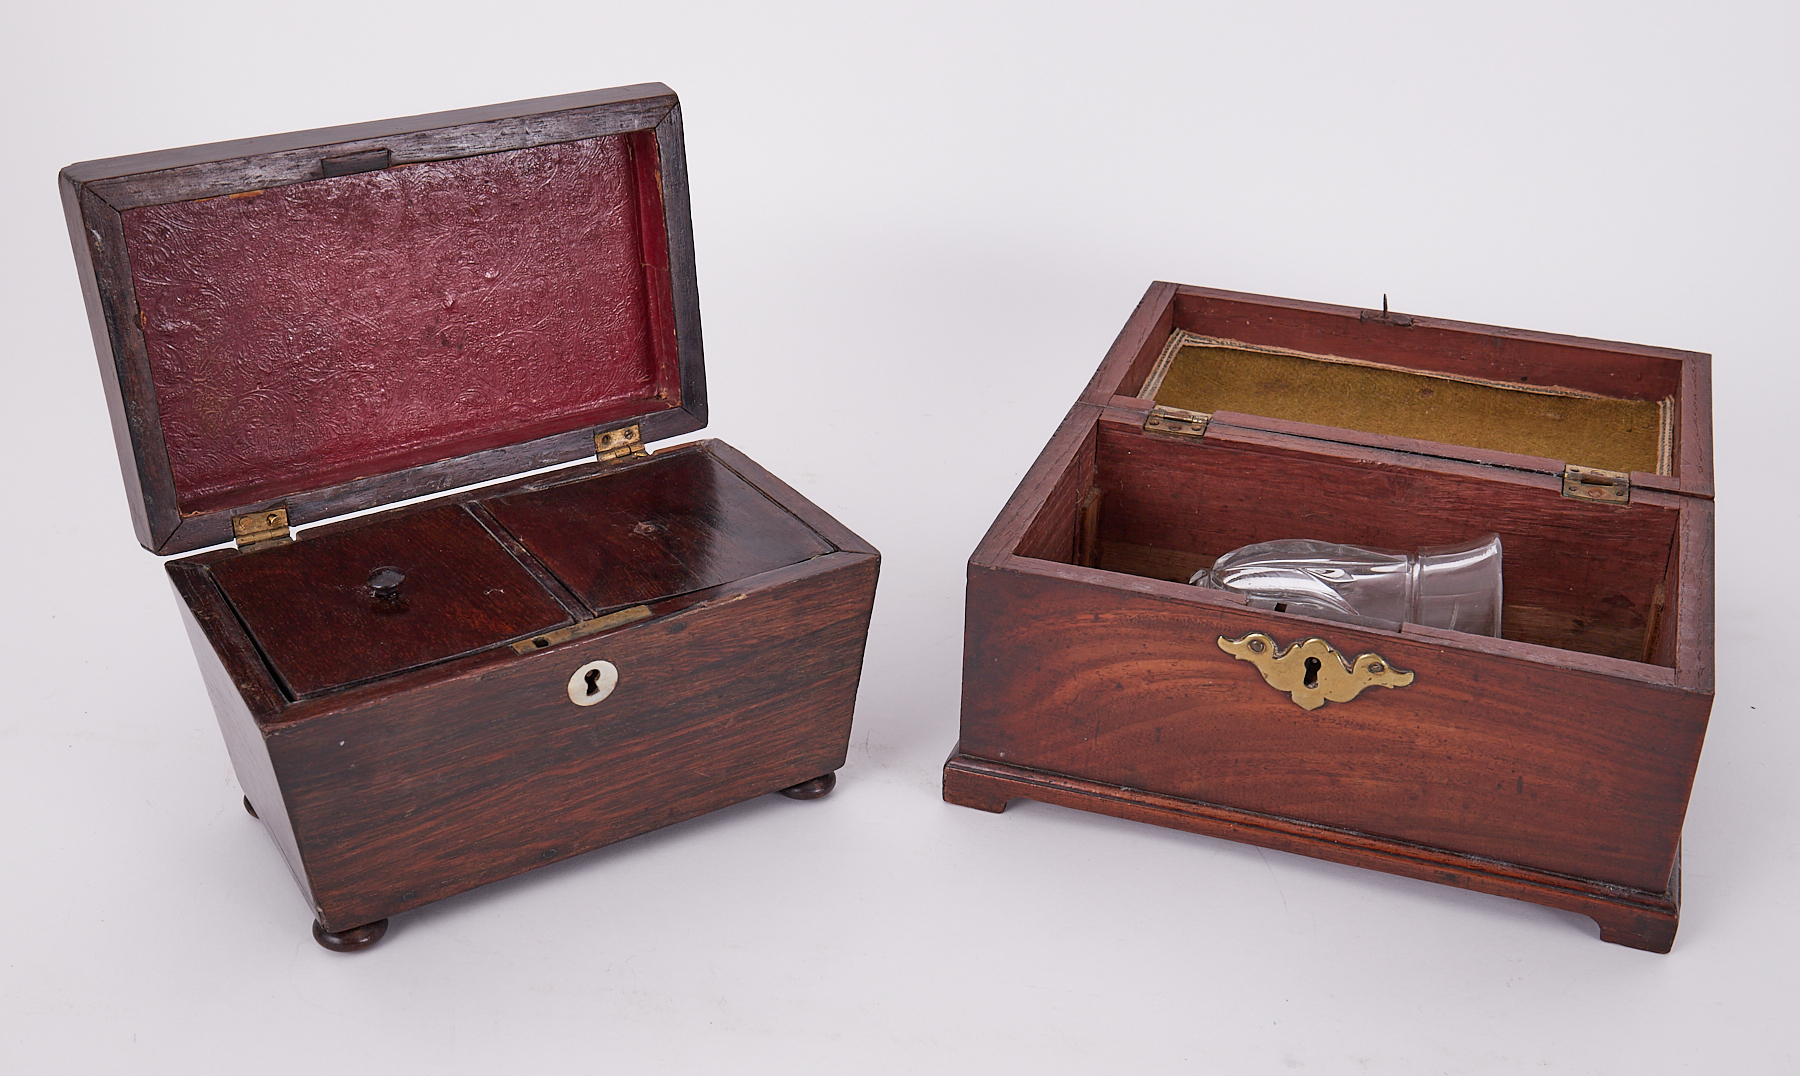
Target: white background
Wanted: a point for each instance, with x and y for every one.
(919, 227)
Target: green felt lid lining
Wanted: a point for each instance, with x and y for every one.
(1207, 374)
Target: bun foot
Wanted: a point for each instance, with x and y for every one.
(349, 941)
(250, 809)
(813, 789)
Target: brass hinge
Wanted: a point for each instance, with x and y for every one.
(619, 444)
(1165, 419)
(261, 528)
(1594, 484)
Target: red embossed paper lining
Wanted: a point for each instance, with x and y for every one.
(311, 334)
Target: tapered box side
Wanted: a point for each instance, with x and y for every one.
(400, 794)
(407, 798)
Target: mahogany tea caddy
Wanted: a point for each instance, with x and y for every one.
(427, 698)
(1552, 764)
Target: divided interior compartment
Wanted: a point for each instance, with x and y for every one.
(1577, 576)
(486, 570)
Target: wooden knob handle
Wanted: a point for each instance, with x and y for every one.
(385, 582)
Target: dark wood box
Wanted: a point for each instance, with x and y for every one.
(1552, 764)
(426, 698)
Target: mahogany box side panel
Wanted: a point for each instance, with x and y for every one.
(1561, 770)
(240, 689)
(410, 798)
(1630, 917)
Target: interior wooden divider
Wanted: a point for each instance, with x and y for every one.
(1578, 576)
(1055, 532)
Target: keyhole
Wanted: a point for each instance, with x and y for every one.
(1312, 672)
(592, 682)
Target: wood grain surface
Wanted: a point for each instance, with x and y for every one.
(218, 168)
(1631, 917)
(410, 797)
(313, 615)
(1561, 770)
(675, 523)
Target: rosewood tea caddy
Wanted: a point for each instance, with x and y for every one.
(430, 697)
(1552, 763)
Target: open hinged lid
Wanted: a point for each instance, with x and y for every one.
(303, 325)
(1606, 416)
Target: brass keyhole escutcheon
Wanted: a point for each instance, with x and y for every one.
(1312, 672)
(593, 682)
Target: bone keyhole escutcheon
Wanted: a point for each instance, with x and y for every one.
(593, 682)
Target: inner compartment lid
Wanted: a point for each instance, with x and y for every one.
(312, 610)
(678, 522)
(331, 320)
(1209, 374)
